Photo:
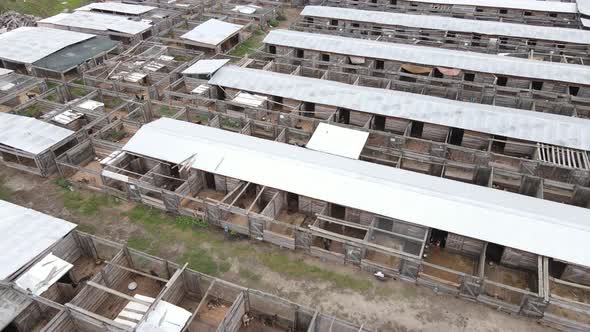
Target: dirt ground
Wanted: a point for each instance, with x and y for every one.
(386, 306)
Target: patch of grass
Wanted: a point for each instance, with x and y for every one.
(32, 111)
(116, 135)
(41, 8)
(249, 275)
(165, 111)
(78, 81)
(249, 45)
(281, 17)
(202, 261)
(78, 92)
(282, 264)
(87, 204)
(5, 192)
(146, 214)
(273, 23)
(112, 102)
(52, 97)
(184, 222)
(141, 243)
(62, 183)
(182, 58)
(90, 229)
(51, 84)
(150, 216)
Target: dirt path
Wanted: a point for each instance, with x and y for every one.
(343, 291)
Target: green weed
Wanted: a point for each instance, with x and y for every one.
(281, 263)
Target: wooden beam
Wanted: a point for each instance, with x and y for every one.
(546, 277)
(189, 322)
(117, 293)
(312, 323)
(571, 284)
(239, 194)
(128, 269)
(158, 298)
(342, 222)
(99, 318)
(255, 199)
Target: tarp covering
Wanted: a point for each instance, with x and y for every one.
(72, 56)
(449, 71)
(415, 69)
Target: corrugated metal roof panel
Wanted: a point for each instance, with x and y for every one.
(515, 123)
(99, 22)
(29, 134)
(212, 32)
(117, 7)
(27, 233)
(205, 66)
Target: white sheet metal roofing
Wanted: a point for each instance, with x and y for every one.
(99, 22)
(535, 5)
(212, 32)
(30, 44)
(492, 28)
(337, 140)
(4, 71)
(29, 134)
(166, 317)
(205, 66)
(526, 223)
(515, 123)
(432, 56)
(27, 233)
(46, 272)
(117, 7)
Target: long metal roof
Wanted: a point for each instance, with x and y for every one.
(212, 32)
(432, 56)
(27, 234)
(492, 28)
(29, 44)
(99, 22)
(72, 56)
(29, 134)
(117, 7)
(526, 223)
(534, 5)
(515, 123)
